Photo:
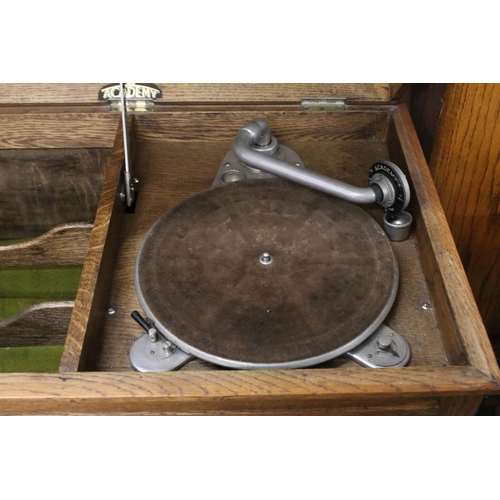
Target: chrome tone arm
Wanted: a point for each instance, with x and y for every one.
(257, 134)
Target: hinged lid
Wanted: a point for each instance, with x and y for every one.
(202, 93)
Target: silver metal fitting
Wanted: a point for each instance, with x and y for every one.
(266, 258)
(384, 341)
(153, 335)
(384, 349)
(398, 227)
(257, 132)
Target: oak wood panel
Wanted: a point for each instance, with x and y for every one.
(459, 405)
(58, 130)
(439, 299)
(384, 407)
(171, 171)
(38, 325)
(465, 165)
(458, 295)
(87, 93)
(287, 125)
(65, 245)
(40, 189)
(447, 324)
(398, 90)
(425, 408)
(426, 104)
(42, 109)
(271, 92)
(236, 391)
(83, 333)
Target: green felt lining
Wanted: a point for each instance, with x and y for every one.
(23, 287)
(49, 283)
(30, 359)
(11, 306)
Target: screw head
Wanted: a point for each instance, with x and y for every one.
(135, 180)
(227, 164)
(265, 258)
(427, 306)
(111, 310)
(153, 335)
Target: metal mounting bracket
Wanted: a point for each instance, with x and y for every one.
(231, 169)
(385, 348)
(152, 352)
(160, 356)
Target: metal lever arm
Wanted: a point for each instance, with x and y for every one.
(153, 352)
(257, 132)
(129, 188)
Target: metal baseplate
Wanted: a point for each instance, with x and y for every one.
(385, 348)
(232, 169)
(159, 356)
(152, 352)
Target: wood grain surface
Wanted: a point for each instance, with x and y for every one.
(65, 245)
(208, 126)
(82, 340)
(171, 170)
(80, 93)
(38, 325)
(426, 104)
(323, 391)
(437, 293)
(41, 189)
(459, 405)
(398, 90)
(57, 130)
(465, 166)
(457, 297)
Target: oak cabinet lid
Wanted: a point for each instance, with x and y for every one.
(202, 93)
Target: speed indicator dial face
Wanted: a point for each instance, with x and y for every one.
(386, 170)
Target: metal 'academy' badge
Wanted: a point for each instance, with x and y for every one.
(133, 91)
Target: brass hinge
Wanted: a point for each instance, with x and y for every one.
(138, 96)
(323, 104)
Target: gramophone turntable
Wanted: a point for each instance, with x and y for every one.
(274, 267)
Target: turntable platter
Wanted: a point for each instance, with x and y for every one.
(266, 273)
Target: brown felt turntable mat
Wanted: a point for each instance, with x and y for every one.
(332, 278)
